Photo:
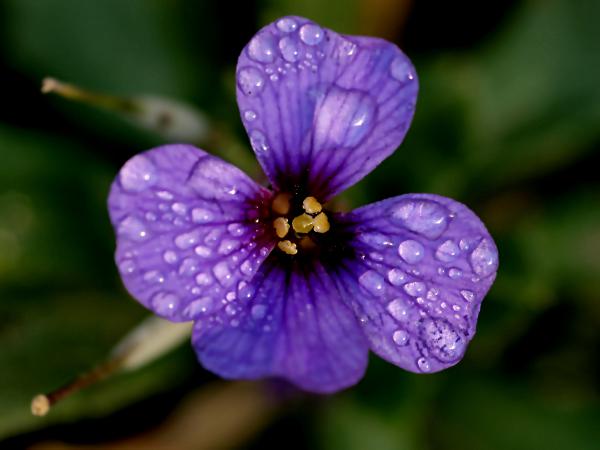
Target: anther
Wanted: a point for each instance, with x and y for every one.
(321, 223)
(281, 226)
(282, 203)
(287, 247)
(311, 205)
(302, 224)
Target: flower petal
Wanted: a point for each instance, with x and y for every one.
(322, 109)
(423, 265)
(186, 229)
(289, 324)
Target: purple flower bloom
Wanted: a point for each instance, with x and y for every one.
(276, 284)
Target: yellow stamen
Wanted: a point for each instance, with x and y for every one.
(287, 247)
(281, 203)
(281, 226)
(321, 223)
(311, 205)
(302, 224)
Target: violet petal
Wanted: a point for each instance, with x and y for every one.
(423, 265)
(186, 230)
(289, 324)
(322, 109)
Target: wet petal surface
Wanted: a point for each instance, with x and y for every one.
(322, 109)
(187, 230)
(422, 267)
(286, 323)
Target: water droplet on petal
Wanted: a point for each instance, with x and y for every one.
(423, 364)
(454, 273)
(286, 25)
(235, 229)
(484, 258)
(372, 282)
(258, 141)
(397, 309)
(203, 279)
(127, 266)
(311, 34)
(424, 217)
(179, 208)
(396, 277)
(262, 48)
(188, 267)
(400, 337)
(411, 251)
(201, 215)
(203, 251)
(250, 115)
(138, 174)
(187, 240)
(415, 288)
(228, 246)
(164, 195)
(258, 311)
(290, 50)
(199, 306)
(467, 295)
(376, 240)
(165, 303)
(447, 252)
(443, 340)
(250, 81)
(247, 268)
(133, 229)
(170, 257)
(154, 276)
(401, 69)
(222, 274)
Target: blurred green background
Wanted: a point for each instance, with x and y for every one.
(508, 122)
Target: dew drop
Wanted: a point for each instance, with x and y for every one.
(154, 276)
(179, 208)
(126, 266)
(447, 252)
(258, 141)
(396, 277)
(222, 274)
(228, 246)
(165, 303)
(401, 69)
(235, 229)
(400, 337)
(164, 195)
(247, 268)
(443, 340)
(203, 279)
(286, 25)
(201, 215)
(411, 251)
(372, 282)
(262, 48)
(454, 273)
(203, 251)
(467, 295)
(258, 311)
(311, 34)
(397, 309)
(250, 81)
(250, 115)
(423, 364)
(138, 174)
(290, 50)
(415, 288)
(377, 240)
(424, 217)
(187, 240)
(188, 267)
(170, 257)
(133, 229)
(484, 258)
(199, 306)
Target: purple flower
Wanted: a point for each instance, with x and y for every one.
(276, 283)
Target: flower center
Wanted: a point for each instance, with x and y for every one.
(313, 219)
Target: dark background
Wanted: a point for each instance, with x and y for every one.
(508, 122)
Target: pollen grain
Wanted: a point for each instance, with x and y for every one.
(281, 226)
(287, 247)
